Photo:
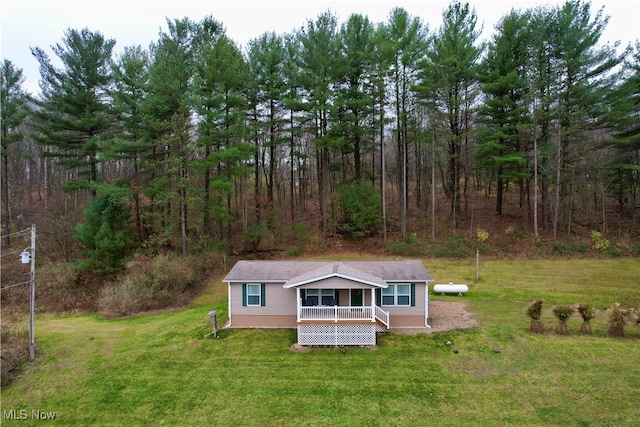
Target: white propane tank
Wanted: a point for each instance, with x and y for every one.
(451, 288)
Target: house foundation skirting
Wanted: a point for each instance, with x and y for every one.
(339, 334)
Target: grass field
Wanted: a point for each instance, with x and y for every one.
(162, 370)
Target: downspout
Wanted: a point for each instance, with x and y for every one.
(229, 303)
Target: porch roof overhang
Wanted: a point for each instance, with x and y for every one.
(336, 269)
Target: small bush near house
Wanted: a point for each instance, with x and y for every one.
(534, 311)
(617, 319)
(563, 312)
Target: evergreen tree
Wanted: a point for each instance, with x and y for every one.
(74, 110)
(131, 77)
(406, 45)
(355, 95)
(104, 235)
(221, 77)
(502, 148)
(266, 57)
(166, 111)
(453, 66)
(318, 53)
(624, 119)
(14, 111)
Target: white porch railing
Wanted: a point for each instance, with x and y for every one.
(382, 316)
(336, 313)
(339, 313)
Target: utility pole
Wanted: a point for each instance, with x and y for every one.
(32, 299)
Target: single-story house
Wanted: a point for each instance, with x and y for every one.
(329, 302)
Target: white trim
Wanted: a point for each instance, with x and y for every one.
(229, 302)
(328, 276)
(426, 305)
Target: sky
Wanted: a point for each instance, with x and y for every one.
(42, 23)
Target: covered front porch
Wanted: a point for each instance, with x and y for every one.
(326, 305)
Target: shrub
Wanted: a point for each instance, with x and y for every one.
(360, 209)
(151, 284)
(409, 246)
(599, 243)
(534, 311)
(617, 319)
(563, 312)
(456, 247)
(587, 312)
(253, 236)
(104, 235)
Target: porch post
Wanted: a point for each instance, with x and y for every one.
(373, 304)
(298, 304)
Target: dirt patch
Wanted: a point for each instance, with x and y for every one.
(445, 316)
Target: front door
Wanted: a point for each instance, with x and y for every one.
(356, 297)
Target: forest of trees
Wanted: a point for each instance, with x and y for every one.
(348, 127)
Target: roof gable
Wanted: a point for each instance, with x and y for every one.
(336, 269)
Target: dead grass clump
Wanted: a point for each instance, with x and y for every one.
(151, 284)
(587, 312)
(617, 319)
(534, 311)
(563, 312)
(13, 352)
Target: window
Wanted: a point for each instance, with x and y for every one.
(401, 294)
(328, 297)
(311, 297)
(319, 297)
(253, 294)
(388, 295)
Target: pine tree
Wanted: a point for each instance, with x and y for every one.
(502, 148)
(14, 111)
(74, 114)
(453, 61)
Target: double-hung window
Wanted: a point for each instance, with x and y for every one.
(400, 294)
(389, 295)
(403, 294)
(328, 297)
(312, 296)
(320, 297)
(253, 294)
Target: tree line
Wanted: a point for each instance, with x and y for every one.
(193, 140)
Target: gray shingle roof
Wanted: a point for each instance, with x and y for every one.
(295, 272)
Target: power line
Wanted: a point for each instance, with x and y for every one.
(10, 253)
(14, 285)
(15, 233)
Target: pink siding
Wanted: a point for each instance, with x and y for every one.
(281, 305)
(279, 302)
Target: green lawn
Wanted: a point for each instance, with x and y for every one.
(161, 370)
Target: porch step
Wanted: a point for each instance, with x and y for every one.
(381, 327)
